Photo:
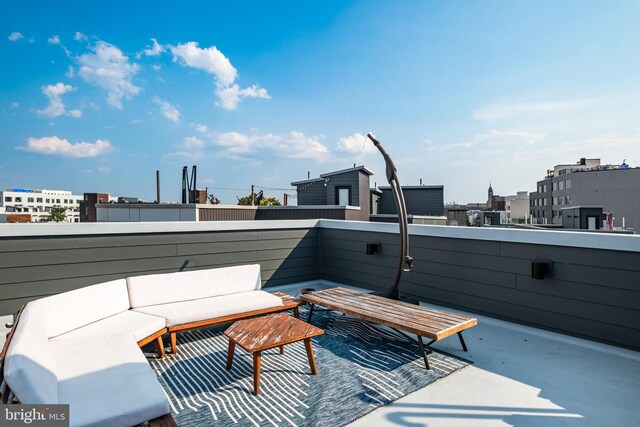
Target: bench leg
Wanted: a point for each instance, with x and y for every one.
(424, 352)
(310, 313)
(257, 357)
(312, 361)
(464, 346)
(172, 338)
(232, 348)
(160, 347)
(281, 349)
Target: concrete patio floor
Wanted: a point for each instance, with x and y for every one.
(521, 376)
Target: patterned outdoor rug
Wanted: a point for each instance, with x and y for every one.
(360, 367)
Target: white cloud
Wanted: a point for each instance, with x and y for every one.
(212, 61)
(75, 113)
(499, 140)
(14, 105)
(54, 146)
(294, 145)
(56, 107)
(209, 59)
(156, 67)
(154, 50)
(193, 142)
(503, 111)
(169, 111)
(54, 40)
(356, 143)
(108, 68)
(80, 37)
(230, 96)
(15, 36)
(71, 72)
(200, 128)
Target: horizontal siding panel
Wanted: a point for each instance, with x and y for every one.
(612, 260)
(241, 246)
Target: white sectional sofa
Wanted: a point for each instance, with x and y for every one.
(83, 347)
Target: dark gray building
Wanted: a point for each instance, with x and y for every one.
(427, 200)
(588, 183)
(347, 187)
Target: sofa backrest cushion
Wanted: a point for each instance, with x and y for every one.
(190, 285)
(29, 366)
(71, 310)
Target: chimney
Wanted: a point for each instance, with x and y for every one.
(583, 162)
(157, 186)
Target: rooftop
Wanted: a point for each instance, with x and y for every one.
(531, 362)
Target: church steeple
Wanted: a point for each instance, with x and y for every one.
(490, 192)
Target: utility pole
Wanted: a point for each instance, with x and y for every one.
(253, 201)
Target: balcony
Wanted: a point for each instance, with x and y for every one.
(557, 351)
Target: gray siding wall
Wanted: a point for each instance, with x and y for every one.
(33, 267)
(312, 194)
(419, 201)
(616, 190)
(594, 293)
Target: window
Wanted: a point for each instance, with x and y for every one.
(39, 199)
(555, 200)
(544, 188)
(567, 199)
(18, 199)
(7, 199)
(545, 202)
(58, 201)
(539, 188)
(48, 200)
(343, 196)
(30, 199)
(561, 185)
(568, 184)
(555, 186)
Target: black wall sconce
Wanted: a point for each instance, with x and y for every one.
(540, 268)
(373, 248)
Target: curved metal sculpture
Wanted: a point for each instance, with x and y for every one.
(406, 261)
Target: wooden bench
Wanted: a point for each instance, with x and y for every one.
(421, 321)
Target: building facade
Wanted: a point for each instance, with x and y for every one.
(589, 183)
(517, 208)
(38, 203)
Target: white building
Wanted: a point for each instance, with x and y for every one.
(38, 203)
(517, 207)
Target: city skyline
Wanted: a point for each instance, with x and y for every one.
(96, 98)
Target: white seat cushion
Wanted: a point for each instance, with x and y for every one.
(179, 313)
(70, 310)
(140, 325)
(107, 381)
(30, 368)
(167, 288)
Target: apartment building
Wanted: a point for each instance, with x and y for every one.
(615, 188)
(38, 203)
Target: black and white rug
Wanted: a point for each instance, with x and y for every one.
(360, 367)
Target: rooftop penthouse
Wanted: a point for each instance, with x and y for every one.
(559, 347)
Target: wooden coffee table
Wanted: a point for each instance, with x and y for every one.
(262, 333)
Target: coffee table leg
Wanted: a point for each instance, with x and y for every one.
(281, 349)
(232, 348)
(312, 362)
(296, 312)
(257, 357)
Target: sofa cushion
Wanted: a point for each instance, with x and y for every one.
(179, 313)
(140, 325)
(30, 368)
(167, 288)
(70, 310)
(107, 381)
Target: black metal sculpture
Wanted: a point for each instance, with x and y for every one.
(406, 261)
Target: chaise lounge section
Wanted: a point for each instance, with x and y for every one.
(82, 347)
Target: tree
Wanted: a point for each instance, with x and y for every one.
(270, 201)
(213, 200)
(247, 200)
(58, 214)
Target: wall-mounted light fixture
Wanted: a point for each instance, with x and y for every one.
(541, 268)
(373, 248)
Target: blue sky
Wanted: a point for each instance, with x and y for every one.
(97, 97)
